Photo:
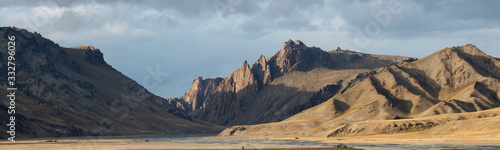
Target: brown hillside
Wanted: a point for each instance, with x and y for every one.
(404, 97)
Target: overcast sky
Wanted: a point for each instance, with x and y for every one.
(164, 45)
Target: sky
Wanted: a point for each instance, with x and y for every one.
(164, 45)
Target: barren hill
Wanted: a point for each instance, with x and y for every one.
(453, 89)
(74, 92)
(297, 77)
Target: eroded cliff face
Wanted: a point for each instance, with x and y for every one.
(199, 91)
(276, 88)
(74, 92)
(262, 71)
(224, 103)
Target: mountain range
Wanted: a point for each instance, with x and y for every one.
(297, 77)
(300, 90)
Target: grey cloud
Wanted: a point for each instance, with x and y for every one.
(261, 25)
(284, 14)
(71, 22)
(255, 25)
(294, 24)
(235, 7)
(280, 14)
(30, 3)
(188, 8)
(463, 9)
(289, 8)
(420, 18)
(195, 8)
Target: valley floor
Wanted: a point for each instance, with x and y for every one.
(413, 140)
(135, 144)
(477, 140)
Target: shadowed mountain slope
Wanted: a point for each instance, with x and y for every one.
(74, 92)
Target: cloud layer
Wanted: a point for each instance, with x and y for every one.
(190, 38)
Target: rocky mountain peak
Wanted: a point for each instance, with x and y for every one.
(470, 49)
(456, 67)
(291, 45)
(296, 56)
(338, 49)
(298, 42)
(289, 42)
(199, 79)
(465, 51)
(468, 54)
(245, 65)
(261, 59)
(242, 77)
(262, 71)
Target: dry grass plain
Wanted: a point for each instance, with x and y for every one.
(487, 139)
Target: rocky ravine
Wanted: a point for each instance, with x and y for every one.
(449, 90)
(297, 77)
(74, 92)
